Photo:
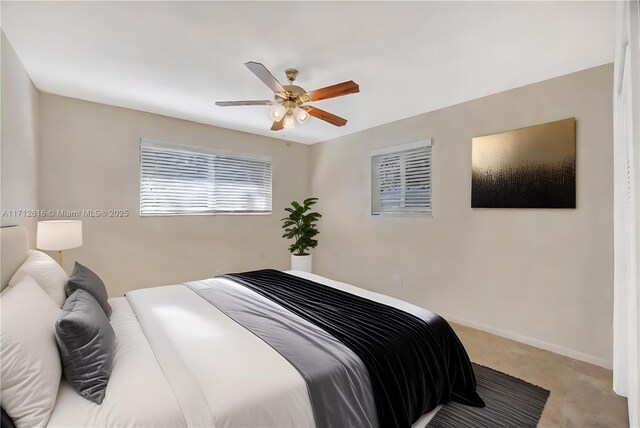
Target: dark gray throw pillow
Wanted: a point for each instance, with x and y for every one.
(83, 278)
(86, 342)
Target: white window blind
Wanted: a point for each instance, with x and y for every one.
(180, 180)
(401, 179)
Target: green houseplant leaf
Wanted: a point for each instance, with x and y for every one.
(300, 226)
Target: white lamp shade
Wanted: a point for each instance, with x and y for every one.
(278, 113)
(301, 115)
(56, 235)
(289, 122)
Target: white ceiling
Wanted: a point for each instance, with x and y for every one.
(177, 58)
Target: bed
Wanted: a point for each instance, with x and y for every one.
(218, 352)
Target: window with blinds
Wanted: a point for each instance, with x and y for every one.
(401, 179)
(180, 180)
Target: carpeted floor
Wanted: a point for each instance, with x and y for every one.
(511, 403)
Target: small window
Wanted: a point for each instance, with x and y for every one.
(401, 179)
(181, 180)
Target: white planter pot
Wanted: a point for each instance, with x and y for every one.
(302, 263)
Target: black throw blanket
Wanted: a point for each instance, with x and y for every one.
(413, 365)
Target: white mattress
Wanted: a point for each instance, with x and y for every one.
(179, 361)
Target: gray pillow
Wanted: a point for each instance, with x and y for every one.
(83, 278)
(86, 342)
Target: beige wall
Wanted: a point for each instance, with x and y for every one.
(19, 169)
(541, 276)
(90, 160)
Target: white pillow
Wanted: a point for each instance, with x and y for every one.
(46, 272)
(31, 368)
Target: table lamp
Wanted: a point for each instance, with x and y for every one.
(59, 235)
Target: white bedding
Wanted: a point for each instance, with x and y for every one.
(165, 336)
(138, 393)
(243, 381)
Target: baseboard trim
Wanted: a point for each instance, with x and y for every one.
(576, 355)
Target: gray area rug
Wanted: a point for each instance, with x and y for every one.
(511, 403)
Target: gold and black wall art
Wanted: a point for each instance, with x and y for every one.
(533, 167)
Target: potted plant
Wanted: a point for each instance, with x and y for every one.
(300, 226)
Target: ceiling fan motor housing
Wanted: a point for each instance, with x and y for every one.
(294, 93)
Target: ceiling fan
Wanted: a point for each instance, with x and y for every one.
(291, 100)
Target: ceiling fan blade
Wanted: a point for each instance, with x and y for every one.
(344, 88)
(265, 75)
(277, 126)
(325, 115)
(244, 103)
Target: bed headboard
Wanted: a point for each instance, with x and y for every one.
(14, 248)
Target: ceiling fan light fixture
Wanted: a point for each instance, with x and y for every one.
(301, 115)
(289, 122)
(278, 113)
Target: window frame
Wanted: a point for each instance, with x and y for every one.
(206, 151)
(374, 194)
